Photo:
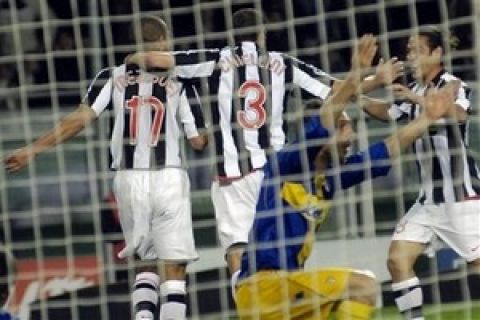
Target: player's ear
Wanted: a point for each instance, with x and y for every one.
(437, 52)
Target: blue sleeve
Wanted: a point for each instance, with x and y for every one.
(290, 158)
(354, 171)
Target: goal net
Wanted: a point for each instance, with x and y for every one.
(58, 215)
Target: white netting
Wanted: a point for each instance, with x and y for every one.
(52, 211)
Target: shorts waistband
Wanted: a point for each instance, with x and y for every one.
(223, 180)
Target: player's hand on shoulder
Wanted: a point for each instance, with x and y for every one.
(439, 103)
(18, 159)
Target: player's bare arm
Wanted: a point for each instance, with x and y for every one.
(385, 73)
(151, 59)
(378, 108)
(362, 57)
(68, 127)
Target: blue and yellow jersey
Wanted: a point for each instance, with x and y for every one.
(292, 204)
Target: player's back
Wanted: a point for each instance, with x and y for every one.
(145, 133)
(249, 89)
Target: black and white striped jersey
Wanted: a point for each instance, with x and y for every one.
(147, 109)
(248, 90)
(447, 172)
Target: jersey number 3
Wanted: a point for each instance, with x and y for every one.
(254, 115)
(135, 104)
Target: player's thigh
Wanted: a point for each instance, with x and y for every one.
(128, 187)
(263, 296)
(172, 229)
(234, 206)
(315, 291)
(461, 228)
(295, 295)
(326, 284)
(415, 226)
(404, 251)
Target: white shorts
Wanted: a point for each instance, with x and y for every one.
(163, 198)
(235, 206)
(457, 224)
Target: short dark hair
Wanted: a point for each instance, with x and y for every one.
(437, 39)
(152, 28)
(434, 36)
(245, 24)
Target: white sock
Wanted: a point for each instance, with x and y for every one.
(173, 311)
(233, 282)
(409, 298)
(145, 295)
(174, 294)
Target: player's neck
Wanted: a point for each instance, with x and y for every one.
(432, 74)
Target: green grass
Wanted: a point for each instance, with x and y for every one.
(450, 311)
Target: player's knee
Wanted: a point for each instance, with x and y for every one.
(474, 267)
(363, 287)
(233, 256)
(395, 264)
(175, 271)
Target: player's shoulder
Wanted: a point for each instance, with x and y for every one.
(195, 51)
(205, 53)
(118, 70)
(447, 77)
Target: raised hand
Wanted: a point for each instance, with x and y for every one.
(439, 103)
(387, 72)
(363, 52)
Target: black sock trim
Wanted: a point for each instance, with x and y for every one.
(415, 312)
(146, 305)
(144, 285)
(180, 298)
(402, 292)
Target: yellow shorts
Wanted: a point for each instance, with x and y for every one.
(291, 295)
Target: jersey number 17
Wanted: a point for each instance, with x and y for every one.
(135, 104)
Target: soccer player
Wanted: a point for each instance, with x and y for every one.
(294, 200)
(448, 204)
(151, 185)
(249, 87)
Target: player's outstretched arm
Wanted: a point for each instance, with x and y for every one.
(378, 108)
(362, 57)
(68, 127)
(152, 59)
(437, 104)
